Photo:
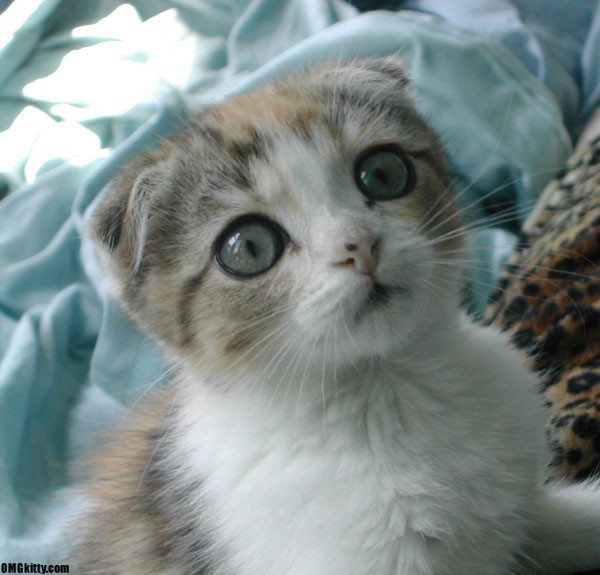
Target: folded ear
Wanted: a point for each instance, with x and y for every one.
(369, 80)
(390, 66)
(122, 223)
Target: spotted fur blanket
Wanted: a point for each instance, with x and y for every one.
(548, 299)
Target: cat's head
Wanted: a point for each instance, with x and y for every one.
(308, 221)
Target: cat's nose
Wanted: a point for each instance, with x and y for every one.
(361, 253)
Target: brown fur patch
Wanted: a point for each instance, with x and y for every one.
(117, 536)
(132, 528)
(268, 109)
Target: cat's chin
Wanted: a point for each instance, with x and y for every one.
(384, 321)
(392, 319)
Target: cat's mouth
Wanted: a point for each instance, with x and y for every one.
(377, 297)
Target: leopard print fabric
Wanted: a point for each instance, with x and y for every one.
(548, 299)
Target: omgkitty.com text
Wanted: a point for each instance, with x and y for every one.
(32, 568)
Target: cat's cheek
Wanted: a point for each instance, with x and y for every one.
(237, 318)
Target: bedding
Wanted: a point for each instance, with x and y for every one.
(548, 299)
(85, 85)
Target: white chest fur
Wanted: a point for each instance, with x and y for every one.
(416, 470)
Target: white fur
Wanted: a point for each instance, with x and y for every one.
(416, 467)
(408, 443)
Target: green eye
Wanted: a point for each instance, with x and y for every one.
(250, 246)
(384, 173)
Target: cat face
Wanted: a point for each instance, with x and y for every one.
(304, 222)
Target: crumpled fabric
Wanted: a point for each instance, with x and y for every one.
(85, 85)
(557, 42)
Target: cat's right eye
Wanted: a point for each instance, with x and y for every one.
(250, 246)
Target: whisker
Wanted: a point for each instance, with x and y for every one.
(458, 194)
(476, 263)
(514, 293)
(520, 210)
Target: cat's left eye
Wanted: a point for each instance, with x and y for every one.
(384, 173)
(250, 246)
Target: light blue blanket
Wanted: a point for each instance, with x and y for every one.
(83, 85)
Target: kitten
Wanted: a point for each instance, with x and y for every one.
(297, 253)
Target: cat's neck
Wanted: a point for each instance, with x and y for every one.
(305, 392)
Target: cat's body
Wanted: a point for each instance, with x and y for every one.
(297, 253)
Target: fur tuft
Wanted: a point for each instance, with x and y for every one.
(566, 534)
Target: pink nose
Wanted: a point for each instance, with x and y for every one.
(362, 254)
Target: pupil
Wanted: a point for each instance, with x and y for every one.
(381, 176)
(251, 248)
